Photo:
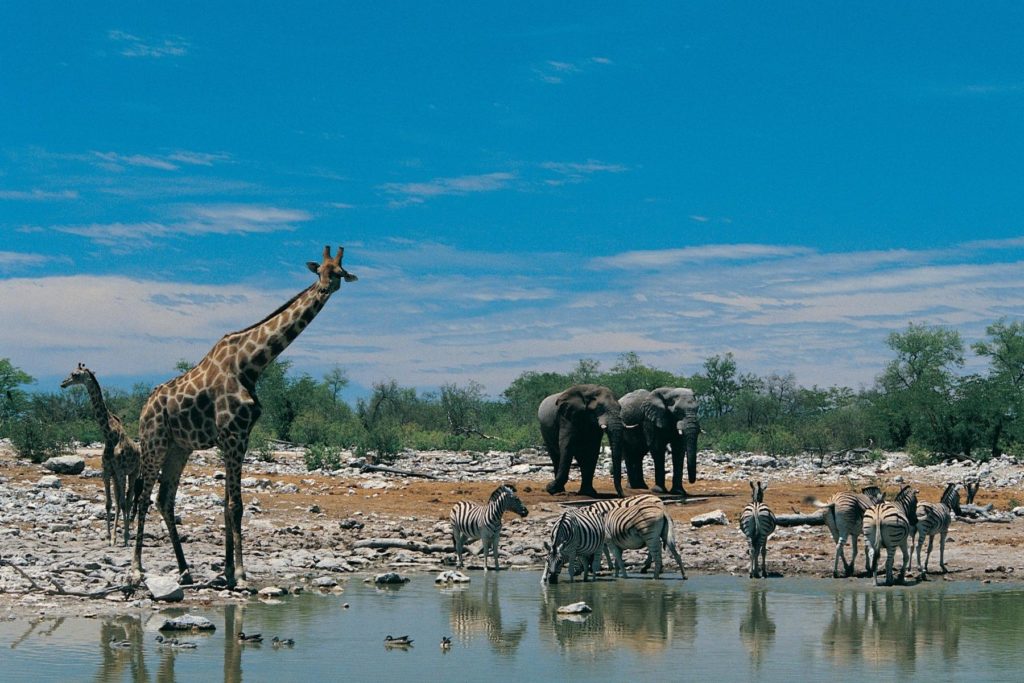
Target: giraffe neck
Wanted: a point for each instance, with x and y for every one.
(99, 406)
(259, 345)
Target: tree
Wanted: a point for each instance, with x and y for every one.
(1004, 391)
(463, 407)
(13, 401)
(717, 386)
(336, 380)
(920, 383)
(526, 391)
(629, 374)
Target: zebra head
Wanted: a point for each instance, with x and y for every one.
(505, 496)
(907, 499)
(875, 494)
(951, 498)
(757, 492)
(561, 533)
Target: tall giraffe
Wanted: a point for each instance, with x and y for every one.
(120, 454)
(215, 404)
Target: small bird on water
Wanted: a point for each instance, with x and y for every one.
(400, 641)
(251, 638)
(174, 642)
(116, 644)
(446, 643)
(282, 642)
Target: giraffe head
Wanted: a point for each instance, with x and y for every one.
(79, 375)
(330, 271)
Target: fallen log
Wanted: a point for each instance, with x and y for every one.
(404, 544)
(974, 510)
(812, 519)
(367, 467)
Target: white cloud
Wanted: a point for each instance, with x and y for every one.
(115, 161)
(666, 258)
(9, 260)
(459, 185)
(134, 46)
(427, 314)
(36, 195)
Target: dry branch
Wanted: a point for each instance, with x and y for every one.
(391, 470)
(403, 544)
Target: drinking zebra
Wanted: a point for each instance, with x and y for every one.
(934, 518)
(642, 523)
(577, 535)
(471, 521)
(757, 522)
(844, 514)
(889, 525)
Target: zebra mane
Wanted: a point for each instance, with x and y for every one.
(951, 496)
(502, 490)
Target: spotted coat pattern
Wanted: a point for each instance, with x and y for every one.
(214, 405)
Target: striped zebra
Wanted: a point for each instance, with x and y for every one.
(577, 535)
(971, 486)
(934, 518)
(888, 525)
(642, 523)
(844, 514)
(471, 521)
(757, 522)
(603, 507)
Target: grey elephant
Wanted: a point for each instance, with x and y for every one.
(573, 424)
(654, 421)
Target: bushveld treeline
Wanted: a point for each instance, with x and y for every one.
(921, 401)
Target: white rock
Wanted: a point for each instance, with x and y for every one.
(575, 608)
(50, 481)
(451, 576)
(713, 517)
(165, 588)
(272, 591)
(189, 622)
(65, 464)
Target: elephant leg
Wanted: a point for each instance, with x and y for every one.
(678, 463)
(658, 454)
(588, 463)
(635, 470)
(566, 452)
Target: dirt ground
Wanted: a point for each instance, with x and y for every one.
(418, 509)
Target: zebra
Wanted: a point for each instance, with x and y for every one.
(971, 486)
(602, 508)
(844, 513)
(757, 522)
(471, 521)
(644, 522)
(934, 518)
(889, 525)
(578, 534)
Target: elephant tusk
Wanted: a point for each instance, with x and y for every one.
(630, 426)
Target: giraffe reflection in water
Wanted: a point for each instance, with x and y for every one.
(886, 628)
(642, 615)
(129, 653)
(757, 630)
(470, 616)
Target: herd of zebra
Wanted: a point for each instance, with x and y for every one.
(581, 537)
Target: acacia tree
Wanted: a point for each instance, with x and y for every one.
(920, 384)
(12, 399)
(717, 385)
(1004, 390)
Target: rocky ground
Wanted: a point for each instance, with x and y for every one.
(303, 530)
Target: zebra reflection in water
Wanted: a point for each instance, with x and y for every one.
(470, 616)
(757, 630)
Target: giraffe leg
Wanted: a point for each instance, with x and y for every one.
(108, 467)
(120, 498)
(234, 569)
(170, 475)
(145, 491)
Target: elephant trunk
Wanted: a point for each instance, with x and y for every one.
(689, 428)
(612, 424)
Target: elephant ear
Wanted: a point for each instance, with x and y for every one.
(654, 411)
(568, 404)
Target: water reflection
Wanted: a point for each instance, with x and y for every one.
(116, 662)
(757, 630)
(642, 615)
(893, 628)
(470, 616)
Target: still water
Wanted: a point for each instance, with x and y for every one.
(714, 628)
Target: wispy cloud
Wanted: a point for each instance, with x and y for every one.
(115, 161)
(38, 195)
(130, 45)
(10, 260)
(576, 172)
(455, 315)
(554, 71)
(460, 185)
(221, 219)
(664, 258)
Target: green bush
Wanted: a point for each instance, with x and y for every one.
(778, 441)
(260, 445)
(921, 456)
(320, 456)
(734, 442)
(381, 443)
(38, 440)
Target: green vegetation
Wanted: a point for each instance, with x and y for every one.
(922, 402)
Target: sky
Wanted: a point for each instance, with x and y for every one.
(517, 185)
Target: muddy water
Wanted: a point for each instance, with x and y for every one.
(716, 628)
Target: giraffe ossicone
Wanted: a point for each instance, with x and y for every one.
(215, 405)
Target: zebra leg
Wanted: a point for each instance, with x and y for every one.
(764, 559)
(752, 549)
(928, 555)
(457, 539)
(620, 566)
(495, 542)
(920, 567)
(890, 559)
(942, 552)
(905, 567)
(654, 548)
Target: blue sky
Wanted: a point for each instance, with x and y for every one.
(516, 186)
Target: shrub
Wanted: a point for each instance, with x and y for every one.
(734, 442)
(38, 440)
(381, 443)
(320, 456)
(260, 445)
(921, 456)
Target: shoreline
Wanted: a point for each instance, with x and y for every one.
(303, 526)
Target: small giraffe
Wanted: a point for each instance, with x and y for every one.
(215, 404)
(120, 453)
